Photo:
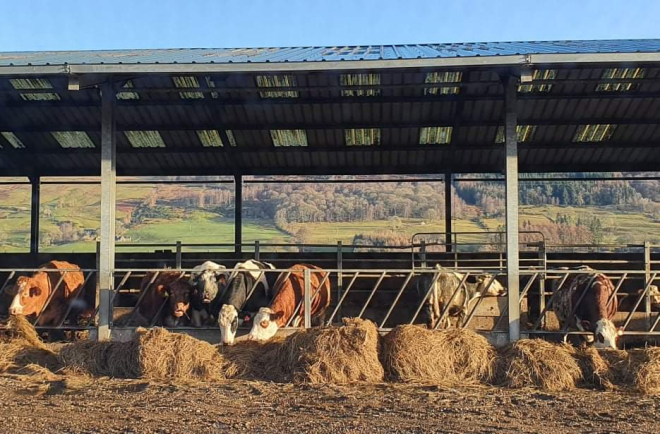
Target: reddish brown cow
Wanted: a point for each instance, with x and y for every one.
(169, 287)
(289, 293)
(32, 293)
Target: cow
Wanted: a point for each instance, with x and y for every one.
(208, 281)
(443, 283)
(168, 297)
(289, 292)
(593, 313)
(32, 293)
(245, 275)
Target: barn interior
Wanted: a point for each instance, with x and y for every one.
(517, 111)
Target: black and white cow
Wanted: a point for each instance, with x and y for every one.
(208, 280)
(444, 283)
(235, 299)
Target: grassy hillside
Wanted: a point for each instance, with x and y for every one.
(70, 216)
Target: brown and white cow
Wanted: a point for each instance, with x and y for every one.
(593, 314)
(32, 293)
(169, 288)
(289, 292)
(443, 284)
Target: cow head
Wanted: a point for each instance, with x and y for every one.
(264, 325)
(228, 323)
(207, 284)
(178, 294)
(495, 288)
(29, 298)
(605, 334)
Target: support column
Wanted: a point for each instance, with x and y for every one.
(108, 205)
(238, 213)
(511, 181)
(448, 224)
(35, 181)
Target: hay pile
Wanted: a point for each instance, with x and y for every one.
(155, 354)
(537, 363)
(647, 375)
(23, 347)
(443, 357)
(337, 355)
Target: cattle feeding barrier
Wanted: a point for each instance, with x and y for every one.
(389, 295)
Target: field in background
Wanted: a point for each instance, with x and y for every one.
(78, 205)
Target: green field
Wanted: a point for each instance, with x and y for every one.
(80, 206)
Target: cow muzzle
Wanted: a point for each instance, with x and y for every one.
(16, 310)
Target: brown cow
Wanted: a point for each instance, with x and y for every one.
(33, 292)
(593, 313)
(289, 292)
(168, 288)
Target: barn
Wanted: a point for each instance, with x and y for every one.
(506, 109)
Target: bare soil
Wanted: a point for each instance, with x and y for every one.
(72, 404)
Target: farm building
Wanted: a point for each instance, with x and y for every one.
(436, 109)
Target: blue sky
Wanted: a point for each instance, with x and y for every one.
(106, 24)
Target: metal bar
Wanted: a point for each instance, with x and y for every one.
(639, 301)
(308, 299)
(522, 297)
(422, 253)
(238, 213)
(448, 207)
(511, 183)
(35, 181)
(549, 304)
(341, 300)
(50, 297)
(647, 270)
(108, 204)
(373, 291)
(479, 300)
(257, 252)
(340, 274)
(396, 299)
(655, 323)
(71, 304)
(616, 290)
(445, 309)
(178, 255)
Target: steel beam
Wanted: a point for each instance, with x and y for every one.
(448, 224)
(34, 214)
(238, 213)
(108, 204)
(511, 183)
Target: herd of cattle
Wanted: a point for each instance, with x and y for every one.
(214, 294)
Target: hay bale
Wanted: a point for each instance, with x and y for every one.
(23, 347)
(155, 354)
(253, 360)
(647, 374)
(537, 363)
(337, 355)
(443, 357)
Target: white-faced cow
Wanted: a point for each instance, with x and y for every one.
(443, 284)
(32, 293)
(593, 313)
(245, 276)
(289, 293)
(208, 280)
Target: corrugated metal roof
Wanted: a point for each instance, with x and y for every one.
(320, 54)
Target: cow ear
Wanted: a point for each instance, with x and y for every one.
(586, 325)
(162, 290)
(276, 315)
(35, 292)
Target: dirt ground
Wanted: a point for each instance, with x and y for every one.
(87, 405)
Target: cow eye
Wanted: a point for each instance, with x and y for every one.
(234, 325)
(600, 338)
(264, 324)
(35, 292)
